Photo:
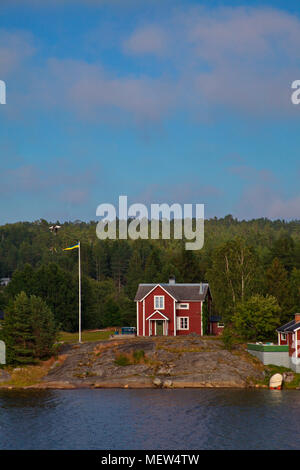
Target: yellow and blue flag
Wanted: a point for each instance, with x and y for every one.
(71, 247)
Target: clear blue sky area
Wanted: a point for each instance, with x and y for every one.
(162, 101)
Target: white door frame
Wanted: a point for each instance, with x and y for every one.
(165, 327)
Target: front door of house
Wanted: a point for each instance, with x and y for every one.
(159, 328)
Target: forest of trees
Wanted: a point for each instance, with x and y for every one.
(247, 263)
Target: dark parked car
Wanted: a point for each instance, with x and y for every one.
(128, 330)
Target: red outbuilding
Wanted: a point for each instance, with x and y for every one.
(289, 334)
(172, 309)
(216, 326)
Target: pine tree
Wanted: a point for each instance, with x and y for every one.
(153, 268)
(17, 331)
(29, 330)
(189, 266)
(135, 274)
(277, 285)
(119, 263)
(44, 329)
(284, 250)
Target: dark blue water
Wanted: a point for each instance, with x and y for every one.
(150, 419)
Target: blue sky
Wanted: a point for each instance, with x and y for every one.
(173, 101)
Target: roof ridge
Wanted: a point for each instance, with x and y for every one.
(176, 284)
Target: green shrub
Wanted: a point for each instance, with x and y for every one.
(229, 338)
(138, 356)
(133, 357)
(122, 360)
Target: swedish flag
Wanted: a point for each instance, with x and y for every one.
(71, 247)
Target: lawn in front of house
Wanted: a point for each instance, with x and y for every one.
(85, 336)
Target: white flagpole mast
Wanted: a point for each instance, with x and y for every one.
(79, 290)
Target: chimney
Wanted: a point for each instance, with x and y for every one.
(173, 281)
(201, 288)
(297, 317)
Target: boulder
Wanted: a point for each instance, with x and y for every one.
(164, 371)
(168, 384)
(275, 381)
(288, 377)
(157, 382)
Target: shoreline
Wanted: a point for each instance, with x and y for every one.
(136, 386)
(142, 363)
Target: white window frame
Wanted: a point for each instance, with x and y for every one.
(180, 327)
(161, 304)
(183, 306)
(283, 336)
(220, 324)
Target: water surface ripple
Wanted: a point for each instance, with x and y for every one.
(150, 419)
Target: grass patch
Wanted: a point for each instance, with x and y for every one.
(25, 376)
(294, 384)
(138, 356)
(131, 358)
(30, 375)
(272, 369)
(122, 360)
(86, 336)
(179, 350)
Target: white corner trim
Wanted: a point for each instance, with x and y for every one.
(201, 317)
(143, 317)
(175, 326)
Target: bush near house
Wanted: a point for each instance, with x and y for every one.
(257, 318)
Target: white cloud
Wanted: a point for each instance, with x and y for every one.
(62, 182)
(228, 59)
(74, 196)
(259, 200)
(15, 48)
(263, 195)
(92, 92)
(147, 40)
(252, 174)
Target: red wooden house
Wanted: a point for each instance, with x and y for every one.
(289, 335)
(171, 309)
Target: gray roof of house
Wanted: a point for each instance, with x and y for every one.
(293, 327)
(290, 326)
(215, 318)
(180, 292)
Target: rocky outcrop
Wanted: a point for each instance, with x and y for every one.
(181, 362)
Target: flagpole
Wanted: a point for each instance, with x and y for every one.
(79, 293)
